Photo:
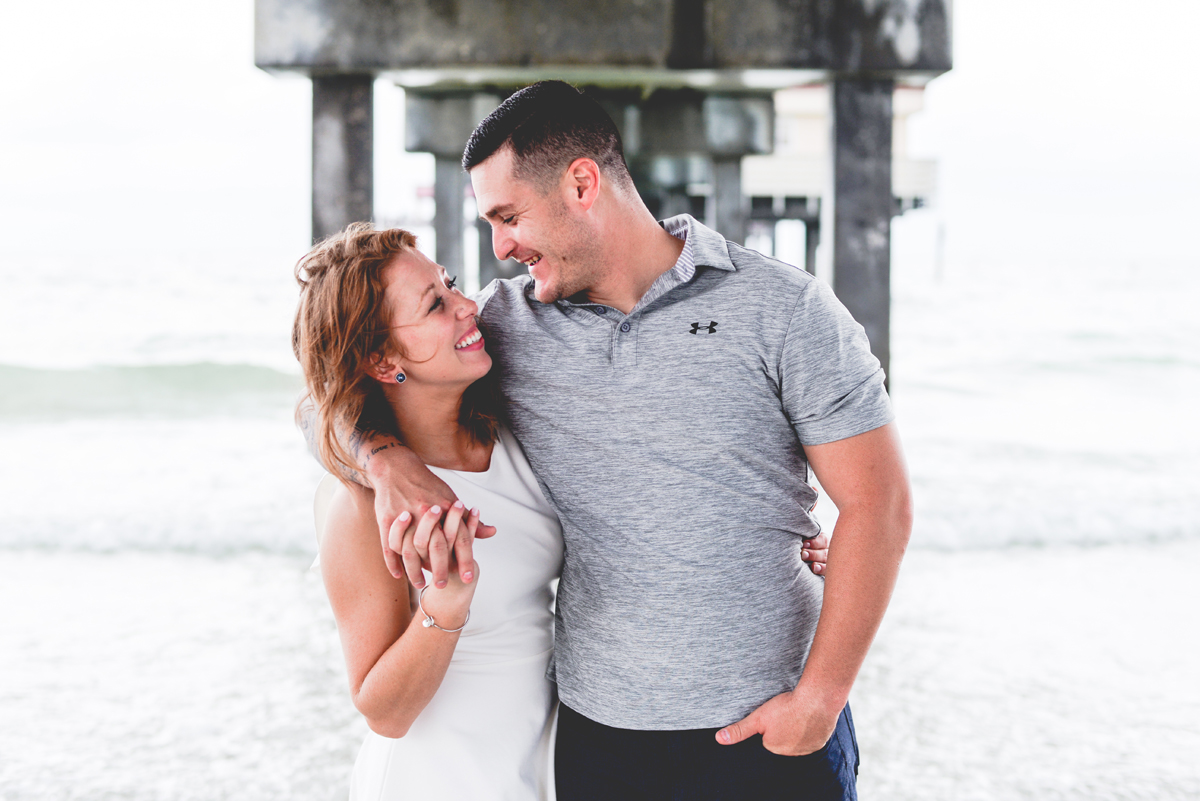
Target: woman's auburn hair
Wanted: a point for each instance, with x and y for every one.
(341, 324)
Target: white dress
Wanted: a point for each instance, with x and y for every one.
(488, 732)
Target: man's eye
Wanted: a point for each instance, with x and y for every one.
(509, 220)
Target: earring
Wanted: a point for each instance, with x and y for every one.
(400, 378)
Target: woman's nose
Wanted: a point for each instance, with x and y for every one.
(467, 308)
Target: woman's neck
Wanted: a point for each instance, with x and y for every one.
(429, 426)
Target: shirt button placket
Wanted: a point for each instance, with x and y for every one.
(626, 345)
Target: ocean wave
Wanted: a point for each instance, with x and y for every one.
(213, 485)
(202, 389)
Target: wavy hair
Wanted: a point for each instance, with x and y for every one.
(341, 323)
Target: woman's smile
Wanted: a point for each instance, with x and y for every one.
(473, 340)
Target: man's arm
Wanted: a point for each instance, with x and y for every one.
(402, 483)
(866, 478)
(355, 442)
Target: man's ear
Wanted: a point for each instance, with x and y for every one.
(583, 182)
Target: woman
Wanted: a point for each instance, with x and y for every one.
(451, 681)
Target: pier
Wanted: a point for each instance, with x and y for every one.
(690, 83)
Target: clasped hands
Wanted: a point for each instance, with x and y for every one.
(441, 540)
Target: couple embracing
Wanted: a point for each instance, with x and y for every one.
(639, 415)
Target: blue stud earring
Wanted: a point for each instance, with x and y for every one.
(400, 377)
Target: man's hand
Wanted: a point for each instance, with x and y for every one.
(404, 485)
(816, 553)
(791, 724)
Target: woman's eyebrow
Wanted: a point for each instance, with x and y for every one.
(428, 289)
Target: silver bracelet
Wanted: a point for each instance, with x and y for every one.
(428, 621)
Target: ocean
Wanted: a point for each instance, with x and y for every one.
(165, 638)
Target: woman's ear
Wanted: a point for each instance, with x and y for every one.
(383, 367)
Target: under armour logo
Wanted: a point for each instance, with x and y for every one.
(710, 328)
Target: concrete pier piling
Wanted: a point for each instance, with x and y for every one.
(440, 123)
(449, 222)
(862, 205)
(342, 152)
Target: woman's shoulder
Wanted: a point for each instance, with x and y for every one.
(348, 535)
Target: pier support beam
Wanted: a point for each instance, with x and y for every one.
(812, 238)
(440, 123)
(862, 205)
(735, 127)
(729, 206)
(342, 154)
(448, 217)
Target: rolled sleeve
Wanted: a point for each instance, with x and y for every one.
(831, 385)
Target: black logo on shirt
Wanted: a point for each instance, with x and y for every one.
(711, 328)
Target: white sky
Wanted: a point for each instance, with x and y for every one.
(1066, 130)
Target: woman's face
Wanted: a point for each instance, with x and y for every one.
(433, 324)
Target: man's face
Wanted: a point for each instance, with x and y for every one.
(543, 231)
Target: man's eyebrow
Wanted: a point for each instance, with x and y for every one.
(496, 211)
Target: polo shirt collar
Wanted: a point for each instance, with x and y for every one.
(703, 247)
(708, 246)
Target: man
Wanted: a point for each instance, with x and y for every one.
(671, 391)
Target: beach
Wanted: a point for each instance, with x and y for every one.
(169, 639)
(170, 676)
(1025, 674)
(164, 637)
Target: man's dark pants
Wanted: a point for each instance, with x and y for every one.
(594, 762)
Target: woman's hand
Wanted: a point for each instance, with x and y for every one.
(447, 605)
(816, 553)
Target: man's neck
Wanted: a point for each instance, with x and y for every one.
(638, 251)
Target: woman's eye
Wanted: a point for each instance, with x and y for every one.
(436, 303)
(452, 282)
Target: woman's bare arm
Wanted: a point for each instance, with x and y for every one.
(395, 664)
(402, 483)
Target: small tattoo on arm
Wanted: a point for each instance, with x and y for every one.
(354, 444)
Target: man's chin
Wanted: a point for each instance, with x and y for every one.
(545, 293)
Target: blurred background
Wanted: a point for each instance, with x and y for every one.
(163, 636)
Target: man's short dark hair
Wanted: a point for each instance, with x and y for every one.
(548, 125)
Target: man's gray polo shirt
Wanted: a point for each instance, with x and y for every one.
(670, 442)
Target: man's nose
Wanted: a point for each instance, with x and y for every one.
(502, 244)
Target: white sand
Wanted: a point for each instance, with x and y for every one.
(1039, 674)
(1047, 674)
(169, 677)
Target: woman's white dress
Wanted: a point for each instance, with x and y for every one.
(487, 733)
